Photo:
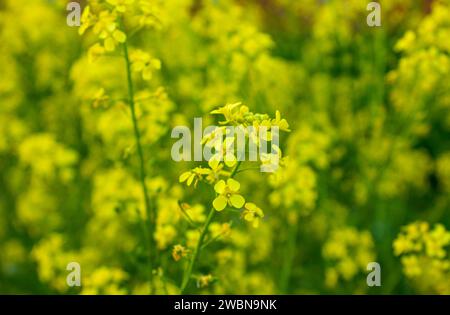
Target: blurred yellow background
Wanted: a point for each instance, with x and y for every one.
(86, 173)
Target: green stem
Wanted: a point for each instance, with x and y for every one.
(235, 170)
(148, 206)
(187, 216)
(212, 240)
(249, 169)
(199, 246)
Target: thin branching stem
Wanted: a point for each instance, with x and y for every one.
(199, 246)
(151, 216)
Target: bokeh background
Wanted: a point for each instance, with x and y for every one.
(368, 177)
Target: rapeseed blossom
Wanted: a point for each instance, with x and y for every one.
(424, 256)
(363, 173)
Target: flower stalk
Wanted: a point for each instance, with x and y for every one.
(150, 211)
(199, 246)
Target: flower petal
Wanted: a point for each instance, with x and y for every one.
(249, 216)
(237, 201)
(191, 178)
(213, 163)
(219, 187)
(109, 44)
(119, 36)
(250, 206)
(230, 160)
(233, 184)
(184, 176)
(220, 203)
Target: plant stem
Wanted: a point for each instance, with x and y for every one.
(199, 246)
(235, 170)
(248, 169)
(148, 206)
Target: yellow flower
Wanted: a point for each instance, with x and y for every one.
(95, 52)
(280, 123)
(211, 138)
(142, 62)
(117, 37)
(87, 20)
(406, 42)
(271, 160)
(252, 214)
(120, 5)
(105, 280)
(331, 277)
(225, 152)
(150, 14)
(164, 234)
(204, 281)
(100, 98)
(194, 175)
(106, 28)
(436, 241)
(402, 245)
(411, 266)
(425, 253)
(348, 251)
(260, 131)
(179, 252)
(228, 111)
(228, 194)
(105, 24)
(347, 268)
(214, 172)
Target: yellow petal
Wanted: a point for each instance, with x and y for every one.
(237, 201)
(230, 160)
(191, 178)
(250, 206)
(249, 217)
(213, 163)
(138, 66)
(109, 44)
(119, 36)
(259, 212)
(284, 125)
(147, 74)
(233, 184)
(156, 63)
(220, 203)
(219, 187)
(184, 176)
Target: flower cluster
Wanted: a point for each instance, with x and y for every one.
(107, 19)
(348, 252)
(85, 143)
(226, 165)
(425, 256)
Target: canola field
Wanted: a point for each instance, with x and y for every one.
(100, 195)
